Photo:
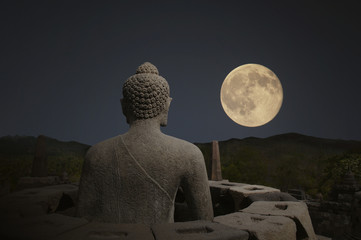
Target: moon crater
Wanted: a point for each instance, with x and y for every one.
(251, 95)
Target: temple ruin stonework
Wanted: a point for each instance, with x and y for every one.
(216, 162)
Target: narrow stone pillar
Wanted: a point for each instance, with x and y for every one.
(40, 165)
(216, 162)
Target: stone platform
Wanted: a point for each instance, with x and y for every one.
(45, 213)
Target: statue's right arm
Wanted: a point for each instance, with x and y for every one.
(196, 188)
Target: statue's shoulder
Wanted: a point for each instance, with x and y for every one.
(186, 149)
(102, 149)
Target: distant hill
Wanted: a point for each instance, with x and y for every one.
(283, 161)
(17, 154)
(15, 145)
(286, 161)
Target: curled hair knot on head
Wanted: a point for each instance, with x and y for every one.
(145, 94)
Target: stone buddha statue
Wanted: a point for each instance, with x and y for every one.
(134, 177)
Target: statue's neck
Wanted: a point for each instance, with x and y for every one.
(147, 126)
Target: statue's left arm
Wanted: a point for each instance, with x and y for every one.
(86, 203)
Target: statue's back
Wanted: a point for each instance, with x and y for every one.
(134, 177)
(130, 182)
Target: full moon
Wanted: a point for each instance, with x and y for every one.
(251, 95)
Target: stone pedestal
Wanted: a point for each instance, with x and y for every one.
(38, 201)
(297, 211)
(106, 231)
(261, 227)
(42, 227)
(197, 230)
(239, 193)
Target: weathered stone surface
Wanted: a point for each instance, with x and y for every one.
(134, 177)
(344, 190)
(40, 227)
(222, 199)
(261, 227)
(299, 194)
(356, 216)
(216, 162)
(106, 231)
(296, 210)
(336, 218)
(36, 201)
(225, 184)
(197, 230)
(247, 190)
(35, 182)
(269, 196)
(239, 193)
(330, 219)
(272, 196)
(320, 237)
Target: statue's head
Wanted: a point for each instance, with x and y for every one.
(146, 95)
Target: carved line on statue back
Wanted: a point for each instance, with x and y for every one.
(145, 172)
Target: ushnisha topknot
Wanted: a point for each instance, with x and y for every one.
(145, 94)
(147, 67)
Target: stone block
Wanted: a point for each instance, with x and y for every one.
(239, 193)
(295, 210)
(225, 184)
(39, 227)
(261, 227)
(222, 199)
(106, 231)
(320, 237)
(356, 215)
(36, 201)
(197, 230)
(269, 196)
(35, 182)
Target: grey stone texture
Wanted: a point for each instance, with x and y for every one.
(222, 199)
(225, 184)
(43, 227)
(338, 218)
(216, 162)
(272, 196)
(27, 215)
(36, 201)
(320, 237)
(331, 219)
(134, 177)
(197, 230)
(106, 231)
(34, 182)
(269, 196)
(344, 190)
(296, 210)
(261, 227)
(228, 197)
(355, 230)
(239, 193)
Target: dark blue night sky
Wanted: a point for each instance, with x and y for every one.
(63, 64)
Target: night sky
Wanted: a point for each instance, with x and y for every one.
(63, 64)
